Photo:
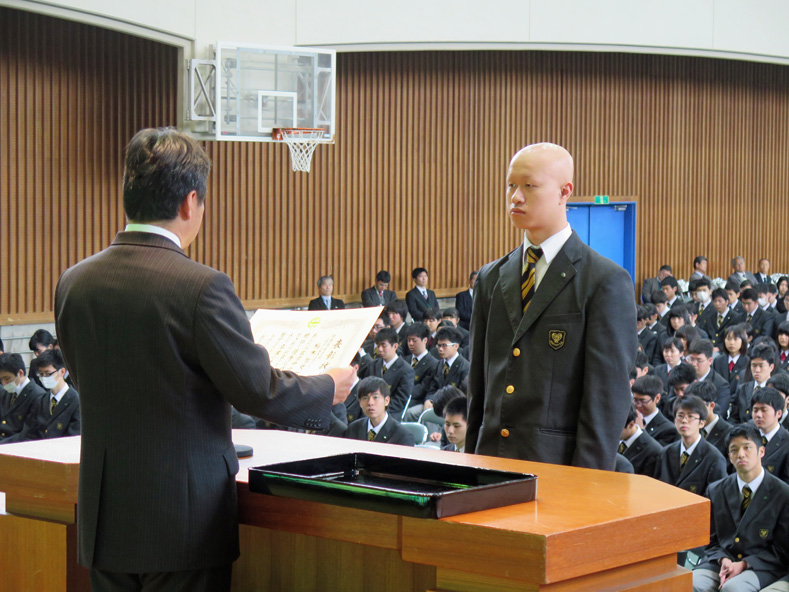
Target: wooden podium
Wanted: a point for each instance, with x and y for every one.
(587, 530)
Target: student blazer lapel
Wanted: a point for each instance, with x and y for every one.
(558, 275)
(693, 462)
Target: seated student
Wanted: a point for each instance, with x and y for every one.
(432, 318)
(782, 337)
(452, 368)
(733, 298)
(687, 335)
(780, 382)
(716, 429)
(677, 317)
(452, 315)
(654, 324)
(700, 357)
(455, 424)
(670, 288)
(440, 400)
(377, 425)
(672, 353)
(638, 447)
(647, 391)
(659, 300)
(762, 366)
(419, 298)
(397, 311)
(692, 463)
(733, 364)
(724, 317)
(681, 377)
(325, 301)
(641, 365)
(368, 352)
(766, 299)
(464, 301)
(704, 307)
(393, 369)
(41, 341)
(762, 323)
(749, 540)
(20, 400)
(352, 409)
(647, 338)
(58, 411)
(424, 366)
(767, 408)
(379, 294)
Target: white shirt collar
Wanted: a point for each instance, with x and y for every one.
(22, 386)
(753, 485)
(377, 428)
(692, 446)
(151, 229)
(59, 395)
(772, 433)
(708, 427)
(551, 245)
(388, 365)
(422, 355)
(632, 439)
(734, 358)
(651, 416)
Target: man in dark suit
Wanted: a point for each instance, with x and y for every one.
(763, 275)
(379, 294)
(465, 300)
(419, 298)
(377, 425)
(652, 284)
(393, 369)
(552, 332)
(749, 534)
(700, 264)
(159, 346)
(739, 274)
(761, 322)
(325, 301)
(691, 463)
(58, 412)
(638, 447)
(20, 400)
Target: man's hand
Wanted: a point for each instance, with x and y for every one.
(428, 405)
(435, 437)
(640, 420)
(730, 569)
(343, 381)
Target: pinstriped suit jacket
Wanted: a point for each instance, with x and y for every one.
(157, 345)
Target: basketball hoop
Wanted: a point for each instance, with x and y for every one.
(301, 142)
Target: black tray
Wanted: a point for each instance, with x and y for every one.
(408, 487)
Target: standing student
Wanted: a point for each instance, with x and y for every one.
(551, 307)
(159, 504)
(749, 538)
(419, 298)
(464, 301)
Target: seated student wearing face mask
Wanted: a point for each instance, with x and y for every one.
(19, 400)
(704, 308)
(58, 411)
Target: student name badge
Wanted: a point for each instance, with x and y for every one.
(310, 342)
(556, 338)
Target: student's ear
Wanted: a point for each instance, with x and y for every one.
(386, 401)
(395, 345)
(657, 398)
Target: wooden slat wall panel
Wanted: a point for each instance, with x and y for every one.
(416, 176)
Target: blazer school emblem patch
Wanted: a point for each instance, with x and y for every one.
(693, 489)
(763, 532)
(771, 468)
(556, 338)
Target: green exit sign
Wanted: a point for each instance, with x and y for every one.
(601, 199)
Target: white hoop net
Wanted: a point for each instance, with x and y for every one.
(302, 143)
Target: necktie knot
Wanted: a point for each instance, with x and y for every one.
(684, 460)
(731, 366)
(371, 435)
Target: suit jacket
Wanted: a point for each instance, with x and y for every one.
(424, 371)
(643, 454)
(649, 344)
(370, 297)
(650, 286)
(622, 465)
(390, 433)
(661, 371)
(705, 466)
(18, 421)
(718, 434)
(723, 386)
(734, 277)
(552, 385)
(63, 421)
(417, 304)
(762, 279)
(352, 409)
(457, 373)
(718, 334)
(187, 338)
(662, 430)
(697, 276)
(464, 303)
(319, 304)
(776, 455)
(759, 536)
(740, 407)
(400, 378)
(762, 323)
(735, 377)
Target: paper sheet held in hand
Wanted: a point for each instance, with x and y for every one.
(311, 342)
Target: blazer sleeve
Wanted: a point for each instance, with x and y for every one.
(476, 377)
(611, 344)
(416, 305)
(367, 299)
(241, 370)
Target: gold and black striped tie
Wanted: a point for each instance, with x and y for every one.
(683, 461)
(371, 435)
(533, 254)
(746, 498)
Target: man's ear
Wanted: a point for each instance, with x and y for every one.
(189, 206)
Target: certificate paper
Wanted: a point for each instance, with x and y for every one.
(310, 342)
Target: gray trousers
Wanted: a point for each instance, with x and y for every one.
(706, 580)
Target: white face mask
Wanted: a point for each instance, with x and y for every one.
(49, 382)
(762, 302)
(703, 296)
(10, 387)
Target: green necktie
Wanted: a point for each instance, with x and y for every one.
(529, 276)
